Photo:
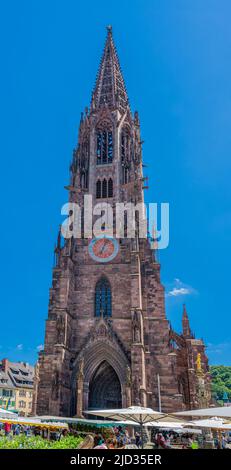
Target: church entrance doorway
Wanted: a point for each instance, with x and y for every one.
(104, 388)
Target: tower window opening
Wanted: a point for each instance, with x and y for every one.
(104, 147)
(110, 147)
(103, 299)
(104, 153)
(104, 188)
(99, 146)
(98, 189)
(110, 188)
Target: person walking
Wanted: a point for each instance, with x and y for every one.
(138, 440)
(7, 428)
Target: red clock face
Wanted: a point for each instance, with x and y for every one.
(103, 249)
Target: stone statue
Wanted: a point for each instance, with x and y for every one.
(198, 363)
(102, 330)
(55, 384)
(136, 334)
(136, 328)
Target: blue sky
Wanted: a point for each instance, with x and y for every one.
(176, 61)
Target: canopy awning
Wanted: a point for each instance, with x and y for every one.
(165, 424)
(6, 413)
(221, 412)
(33, 422)
(90, 422)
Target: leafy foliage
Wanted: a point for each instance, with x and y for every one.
(91, 428)
(37, 442)
(221, 382)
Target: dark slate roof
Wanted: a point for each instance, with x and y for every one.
(5, 380)
(19, 375)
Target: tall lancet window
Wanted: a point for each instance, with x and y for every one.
(110, 188)
(104, 188)
(98, 190)
(104, 144)
(103, 298)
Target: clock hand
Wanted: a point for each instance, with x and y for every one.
(102, 249)
(104, 246)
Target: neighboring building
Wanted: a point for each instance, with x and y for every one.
(16, 386)
(108, 342)
(7, 390)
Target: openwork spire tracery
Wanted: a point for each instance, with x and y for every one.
(110, 88)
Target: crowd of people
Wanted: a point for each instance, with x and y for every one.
(113, 438)
(10, 430)
(167, 440)
(14, 429)
(117, 437)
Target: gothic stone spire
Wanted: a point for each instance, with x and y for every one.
(110, 88)
(185, 323)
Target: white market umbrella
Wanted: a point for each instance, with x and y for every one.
(178, 427)
(165, 424)
(188, 431)
(136, 414)
(213, 423)
(6, 414)
(221, 412)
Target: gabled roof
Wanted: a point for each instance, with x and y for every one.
(5, 380)
(18, 374)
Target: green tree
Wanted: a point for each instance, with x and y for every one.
(221, 382)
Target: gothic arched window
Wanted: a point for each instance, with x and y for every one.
(104, 188)
(103, 298)
(104, 143)
(110, 188)
(98, 189)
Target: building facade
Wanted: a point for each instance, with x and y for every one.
(108, 342)
(16, 386)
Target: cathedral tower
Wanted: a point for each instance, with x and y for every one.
(108, 342)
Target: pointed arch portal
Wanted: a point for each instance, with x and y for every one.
(104, 388)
